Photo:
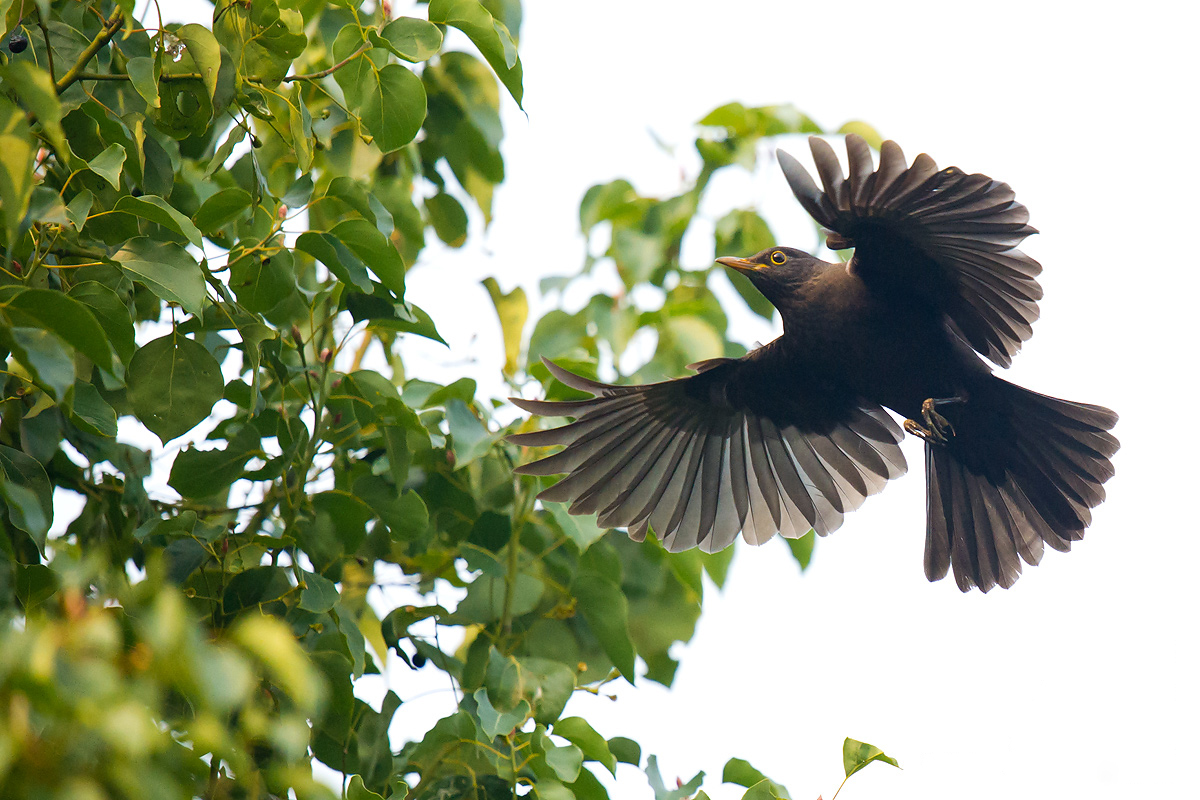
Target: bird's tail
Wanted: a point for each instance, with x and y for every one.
(1021, 470)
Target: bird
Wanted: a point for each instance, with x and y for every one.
(795, 434)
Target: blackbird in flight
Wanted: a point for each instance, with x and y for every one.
(794, 434)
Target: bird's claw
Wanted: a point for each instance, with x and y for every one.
(936, 430)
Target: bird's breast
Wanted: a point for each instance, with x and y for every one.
(885, 349)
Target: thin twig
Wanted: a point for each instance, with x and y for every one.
(46, 36)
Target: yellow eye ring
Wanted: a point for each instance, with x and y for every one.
(778, 258)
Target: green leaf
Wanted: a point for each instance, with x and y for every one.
(864, 130)
(499, 723)
(222, 207)
(34, 584)
(142, 75)
(319, 595)
(355, 790)
(79, 208)
(203, 473)
(16, 166)
(550, 684)
(366, 242)
(606, 610)
(45, 355)
(35, 90)
(393, 107)
(173, 384)
(626, 751)
(802, 549)
(108, 164)
(661, 792)
(594, 747)
(205, 52)
(487, 594)
(409, 38)
(67, 317)
(489, 35)
(513, 311)
(743, 233)
(766, 790)
(741, 772)
(470, 434)
(262, 279)
(300, 127)
(91, 413)
(27, 494)
(582, 529)
(167, 270)
(160, 212)
(111, 313)
(448, 218)
(329, 250)
(565, 761)
(856, 755)
(603, 202)
(271, 641)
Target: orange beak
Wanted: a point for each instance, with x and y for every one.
(741, 264)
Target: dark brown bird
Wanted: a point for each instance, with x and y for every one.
(794, 434)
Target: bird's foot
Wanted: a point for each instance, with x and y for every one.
(937, 429)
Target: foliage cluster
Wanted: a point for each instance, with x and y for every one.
(204, 229)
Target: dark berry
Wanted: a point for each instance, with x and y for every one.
(17, 43)
(136, 192)
(418, 660)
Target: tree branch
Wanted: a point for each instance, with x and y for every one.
(107, 32)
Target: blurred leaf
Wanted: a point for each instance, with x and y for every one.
(660, 790)
(27, 493)
(606, 610)
(35, 90)
(16, 166)
(470, 435)
(489, 35)
(448, 218)
(513, 311)
(581, 529)
(864, 130)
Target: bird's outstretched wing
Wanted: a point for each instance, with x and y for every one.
(942, 237)
(733, 448)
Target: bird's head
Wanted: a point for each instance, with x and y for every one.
(777, 272)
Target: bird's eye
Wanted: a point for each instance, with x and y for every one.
(778, 257)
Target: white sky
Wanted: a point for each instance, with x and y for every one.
(1080, 681)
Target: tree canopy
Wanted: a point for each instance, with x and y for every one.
(206, 232)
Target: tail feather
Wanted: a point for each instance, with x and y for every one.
(1023, 470)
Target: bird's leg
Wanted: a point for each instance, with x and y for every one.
(937, 429)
